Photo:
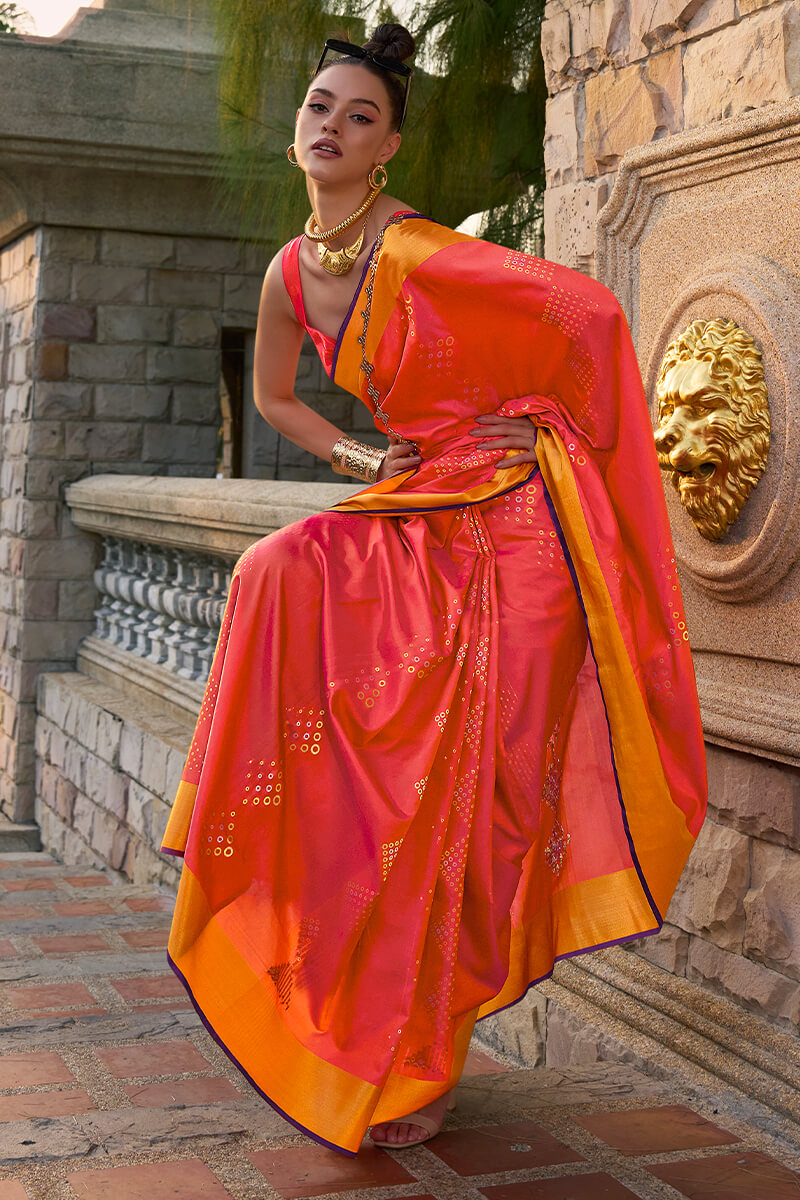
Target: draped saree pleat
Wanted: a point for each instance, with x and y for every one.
(431, 757)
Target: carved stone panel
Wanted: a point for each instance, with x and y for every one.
(703, 226)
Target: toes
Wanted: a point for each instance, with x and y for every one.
(398, 1132)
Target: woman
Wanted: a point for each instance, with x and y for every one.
(451, 732)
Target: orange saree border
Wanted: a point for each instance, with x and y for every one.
(653, 820)
(329, 1104)
(176, 833)
(412, 248)
(585, 920)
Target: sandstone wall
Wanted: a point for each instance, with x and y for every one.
(734, 921)
(622, 73)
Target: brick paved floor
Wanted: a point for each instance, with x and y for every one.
(111, 1089)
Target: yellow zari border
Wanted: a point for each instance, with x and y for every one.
(657, 827)
(239, 1008)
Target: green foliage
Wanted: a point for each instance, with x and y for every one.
(473, 135)
(13, 18)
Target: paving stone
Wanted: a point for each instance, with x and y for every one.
(150, 904)
(43, 995)
(132, 1130)
(142, 939)
(44, 1139)
(184, 1180)
(29, 885)
(567, 1187)
(142, 1023)
(301, 1171)
(568, 1086)
(56, 1012)
(746, 1176)
(478, 1063)
(507, 1147)
(82, 908)
(72, 943)
(143, 989)
(18, 912)
(207, 1090)
(29, 1070)
(12, 1190)
(655, 1130)
(568, 1134)
(25, 1105)
(153, 1058)
(98, 964)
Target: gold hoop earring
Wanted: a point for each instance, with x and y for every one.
(373, 183)
(293, 161)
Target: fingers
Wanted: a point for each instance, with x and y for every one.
(511, 443)
(486, 419)
(518, 458)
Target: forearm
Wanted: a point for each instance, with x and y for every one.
(301, 425)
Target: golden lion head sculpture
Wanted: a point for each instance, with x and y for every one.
(713, 421)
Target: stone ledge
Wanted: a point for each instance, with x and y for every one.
(19, 836)
(214, 516)
(148, 683)
(613, 1005)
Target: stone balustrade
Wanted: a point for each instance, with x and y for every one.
(169, 546)
(112, 736)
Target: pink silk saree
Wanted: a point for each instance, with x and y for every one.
(451, 732)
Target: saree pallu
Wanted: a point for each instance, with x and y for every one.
(451, 732)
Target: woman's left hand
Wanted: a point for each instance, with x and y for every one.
(516, 433)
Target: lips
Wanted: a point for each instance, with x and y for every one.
(327, 144)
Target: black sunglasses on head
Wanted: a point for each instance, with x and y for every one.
(381, 60)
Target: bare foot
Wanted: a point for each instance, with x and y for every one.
(401, 1132)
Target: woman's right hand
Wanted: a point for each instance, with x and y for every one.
(399, 457)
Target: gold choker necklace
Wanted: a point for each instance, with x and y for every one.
(339, 262)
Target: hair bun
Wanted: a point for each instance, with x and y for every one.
(393, 41)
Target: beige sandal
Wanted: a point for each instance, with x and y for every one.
(416, 1118)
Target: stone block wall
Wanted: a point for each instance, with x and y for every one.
(128, 357)
(274, 457)
(622, 73)
(45, 597)
(112, 346)
(734, 921)
(107, 769)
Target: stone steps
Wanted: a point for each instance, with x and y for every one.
(16, 836)
(670, 1024)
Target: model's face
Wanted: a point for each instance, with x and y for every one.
(349, 106)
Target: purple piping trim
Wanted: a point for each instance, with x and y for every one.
(630, 937)
(166, 850)
(370, 512)
(349, 314)
(571, 565)
(323, 1141)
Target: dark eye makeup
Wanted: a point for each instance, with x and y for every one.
(319, 104)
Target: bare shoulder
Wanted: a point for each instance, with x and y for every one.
(394, 205)
(275, 300)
